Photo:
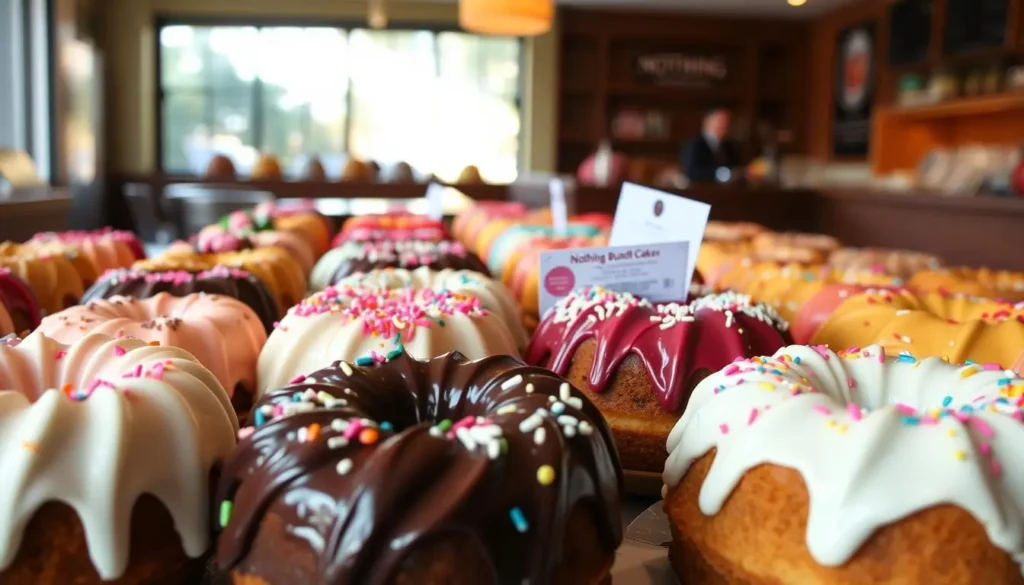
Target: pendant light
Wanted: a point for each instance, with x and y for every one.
(506, 17)
(377, 14)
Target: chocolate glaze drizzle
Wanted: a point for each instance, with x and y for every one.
(229, 282)
(365, 466)
(410, 254)
(676, 343)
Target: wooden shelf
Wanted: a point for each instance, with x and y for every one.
(960, 108)
(902, 137)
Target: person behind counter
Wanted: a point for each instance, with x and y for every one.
(705, 156)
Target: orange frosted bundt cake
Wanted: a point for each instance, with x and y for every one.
(364, 325)
(732, 231)
(439, 472)
(215, 238)
(638, 361)
(279, 271)
(19, 311)
(107, 249)
(222, 333)
(980, 282)
(87, 271)
(108, 446)
(956, 327)
(820, 468)
(52, 278)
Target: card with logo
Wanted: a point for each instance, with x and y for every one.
(654, 271)
(649, 216)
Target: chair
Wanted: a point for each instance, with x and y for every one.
(151, 225)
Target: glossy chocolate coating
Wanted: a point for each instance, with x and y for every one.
(229, 282)
(417, 482)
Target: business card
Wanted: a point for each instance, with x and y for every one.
(657, 272)
(649, 216)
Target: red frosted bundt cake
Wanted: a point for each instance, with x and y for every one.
(19, 311)
(439, 472)
(638, 361)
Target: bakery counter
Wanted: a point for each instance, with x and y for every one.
(29, 211)
(778, 209)
(961, 230)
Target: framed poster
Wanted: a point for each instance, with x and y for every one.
(855, 70)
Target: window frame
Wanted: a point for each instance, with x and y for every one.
(162, 20)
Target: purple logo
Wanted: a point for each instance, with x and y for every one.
(559, 281)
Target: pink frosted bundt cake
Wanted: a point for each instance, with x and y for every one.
(854, 468)
(439, 472)
(224, 334)
(639, 361)
(108, 446)
(364, 325)
(19, 311)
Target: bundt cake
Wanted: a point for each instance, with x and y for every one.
(638, 361)
(224, 281)
(955, 327)
(108, 447)
(814, 467)
(493, 296)
(106, 248)
(445, 471)
(900, 263)
(19, 311)
(794, 247)
(52, 278)
(56, 252)
(214, 239)
(364, 325)
(979, 282)
(278, 271)
(355, 257)
(222, 333)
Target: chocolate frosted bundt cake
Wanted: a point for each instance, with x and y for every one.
(639, 361)
(445, 471)
(354, 257)
(221, 280)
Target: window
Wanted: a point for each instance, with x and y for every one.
(437, 100)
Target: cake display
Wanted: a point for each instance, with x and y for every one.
(812, 467)
(901, 263)
(794, 247)
(979, 282)
(356, 257)
(94, 491)
(639, 361)
(515, 481)
(364, 325)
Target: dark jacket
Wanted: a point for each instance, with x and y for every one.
(699, 163)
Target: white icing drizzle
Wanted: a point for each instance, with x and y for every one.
(870, 464)
(155, 422)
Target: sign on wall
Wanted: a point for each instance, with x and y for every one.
(855, 71)
(683, 69)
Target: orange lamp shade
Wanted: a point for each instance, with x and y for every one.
(506, 17)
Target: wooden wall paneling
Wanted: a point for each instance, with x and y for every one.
(1013, 25)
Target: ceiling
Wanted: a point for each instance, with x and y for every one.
(756, 8)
